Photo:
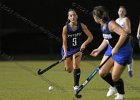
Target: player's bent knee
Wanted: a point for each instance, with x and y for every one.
(102, 73)
(69, 70)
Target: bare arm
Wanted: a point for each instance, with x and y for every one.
(114, 27)
(89, 35)
(138, 31)
(96, 52)
(64, 37)
(127, 26)
(103, 45)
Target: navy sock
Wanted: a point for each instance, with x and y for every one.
(76, 74)
(108, 79)
(119, 86)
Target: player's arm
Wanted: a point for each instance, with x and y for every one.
(127, 26)
(88, 34)
(114, 27)
(138, 31)
(64, 37)
(103, 45)
(96, 52)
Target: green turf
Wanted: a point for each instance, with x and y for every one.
(19, 81)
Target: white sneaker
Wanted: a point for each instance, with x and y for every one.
(119, 96)
(75, 88)
(111, 91)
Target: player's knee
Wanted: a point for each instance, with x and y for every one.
(78, 55)
(102, 73)
(69, 70)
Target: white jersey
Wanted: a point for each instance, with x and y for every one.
(121, 21)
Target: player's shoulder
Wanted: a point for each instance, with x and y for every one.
(117, 20)
(65, 27)
(83, 25)
(112, 22)
(127, 19)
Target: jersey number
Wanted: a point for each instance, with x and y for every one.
(74, 41)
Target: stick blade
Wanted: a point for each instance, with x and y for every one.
(39, 72)
(78, 95)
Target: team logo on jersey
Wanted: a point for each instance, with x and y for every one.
(74, 35)
(107, 36)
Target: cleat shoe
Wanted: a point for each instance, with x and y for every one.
(75, 89)
(78, 95)
(111, 91)
(130, 73)
(130, 69)
(119, 96)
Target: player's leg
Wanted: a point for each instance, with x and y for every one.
(68, 65)
(130, 69)
(118, 82)
(130, 65)
(68, 61)
(106, 75)
(76, 66)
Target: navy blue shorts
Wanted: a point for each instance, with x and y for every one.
(123, 56)
(70, 51)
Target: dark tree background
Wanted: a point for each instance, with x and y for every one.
(35, 26)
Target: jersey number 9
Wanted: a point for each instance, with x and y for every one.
(74, 41)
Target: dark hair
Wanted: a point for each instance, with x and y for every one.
(101, 12)
(122, 7)
(71, 9)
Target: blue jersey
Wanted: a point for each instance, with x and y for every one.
(74, 36)
(124, 54)
(74, 39)
(111, 37)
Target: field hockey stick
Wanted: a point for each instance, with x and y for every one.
(90, 77)
(56, 63)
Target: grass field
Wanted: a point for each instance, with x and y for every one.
(19, 81)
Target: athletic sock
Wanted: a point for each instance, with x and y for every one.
(119, 86)
(129, 67)
(108, 79)
(76, 74)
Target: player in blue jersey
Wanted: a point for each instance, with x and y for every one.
(117, 43)
(125, 23)
(72, 35)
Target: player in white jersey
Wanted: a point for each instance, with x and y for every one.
(125, 23)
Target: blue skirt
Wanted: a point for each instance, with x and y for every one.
(123, 56)
(70, 51)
